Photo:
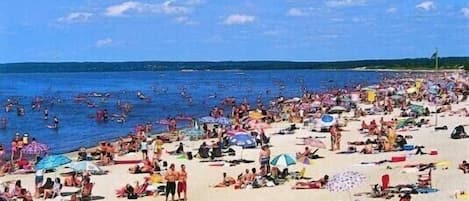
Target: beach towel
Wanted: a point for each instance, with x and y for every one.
(346, 152)
(117, 162)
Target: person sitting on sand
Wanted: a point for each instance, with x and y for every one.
(305, 153)
(179, 149)
(464, 166)
(312, 184)
(144, 167)
(368, 149)
(72, 180)
(226, 182)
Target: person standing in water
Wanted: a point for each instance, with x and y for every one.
(56, 122)
(46, 114)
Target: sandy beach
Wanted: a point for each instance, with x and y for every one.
(201, 175)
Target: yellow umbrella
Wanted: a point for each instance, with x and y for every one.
(255, 115)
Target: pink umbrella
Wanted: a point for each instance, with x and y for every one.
(315, 143)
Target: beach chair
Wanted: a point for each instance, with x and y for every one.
(300, 175)
(425, 180)
(86, 192)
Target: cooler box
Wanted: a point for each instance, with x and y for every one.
(408, 147)
(397, 159)
(433, 152)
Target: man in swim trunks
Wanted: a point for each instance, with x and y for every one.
(182, 185)
(264, 157)
(171, 177)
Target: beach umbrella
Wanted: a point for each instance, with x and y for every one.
(345, 181)
(193, 132)
(255, 115)
(208, 119)
(223, 121)
(327, 120)
(84, 166)
(243, 140)
(304, 160)
(35, 149)
(313, 142)
(51, 162)
(337, 109)
(283, 160)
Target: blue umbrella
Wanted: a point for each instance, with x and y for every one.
(327, 120)
(51, 162)
(208, 119)
(243, 140)
(223, 121)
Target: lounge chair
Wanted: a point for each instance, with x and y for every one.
(425, 180)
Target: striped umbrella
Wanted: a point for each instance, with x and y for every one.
(35, 149)
(283, 160)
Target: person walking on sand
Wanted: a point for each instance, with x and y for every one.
(338, 137)
(171, 177)
(333, 132)
(182, 185)
(144, 148)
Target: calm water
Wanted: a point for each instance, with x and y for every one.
(78, 126)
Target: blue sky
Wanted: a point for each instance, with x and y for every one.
(187, 30)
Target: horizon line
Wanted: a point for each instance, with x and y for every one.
(221, 61)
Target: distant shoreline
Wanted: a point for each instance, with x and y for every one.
(403, 65)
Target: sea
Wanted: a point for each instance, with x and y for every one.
(167, 94)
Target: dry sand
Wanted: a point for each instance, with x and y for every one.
(201, 175)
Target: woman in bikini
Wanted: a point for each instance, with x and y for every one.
(312, 184)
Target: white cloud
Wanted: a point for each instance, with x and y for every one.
(465, 12)
(75, 17)
(167, 7)
(426, 5)
(344, 3)
(121, 9)
(391, 10)
(239, 19)
(296, 12)
(184, 20)
(103, 42)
